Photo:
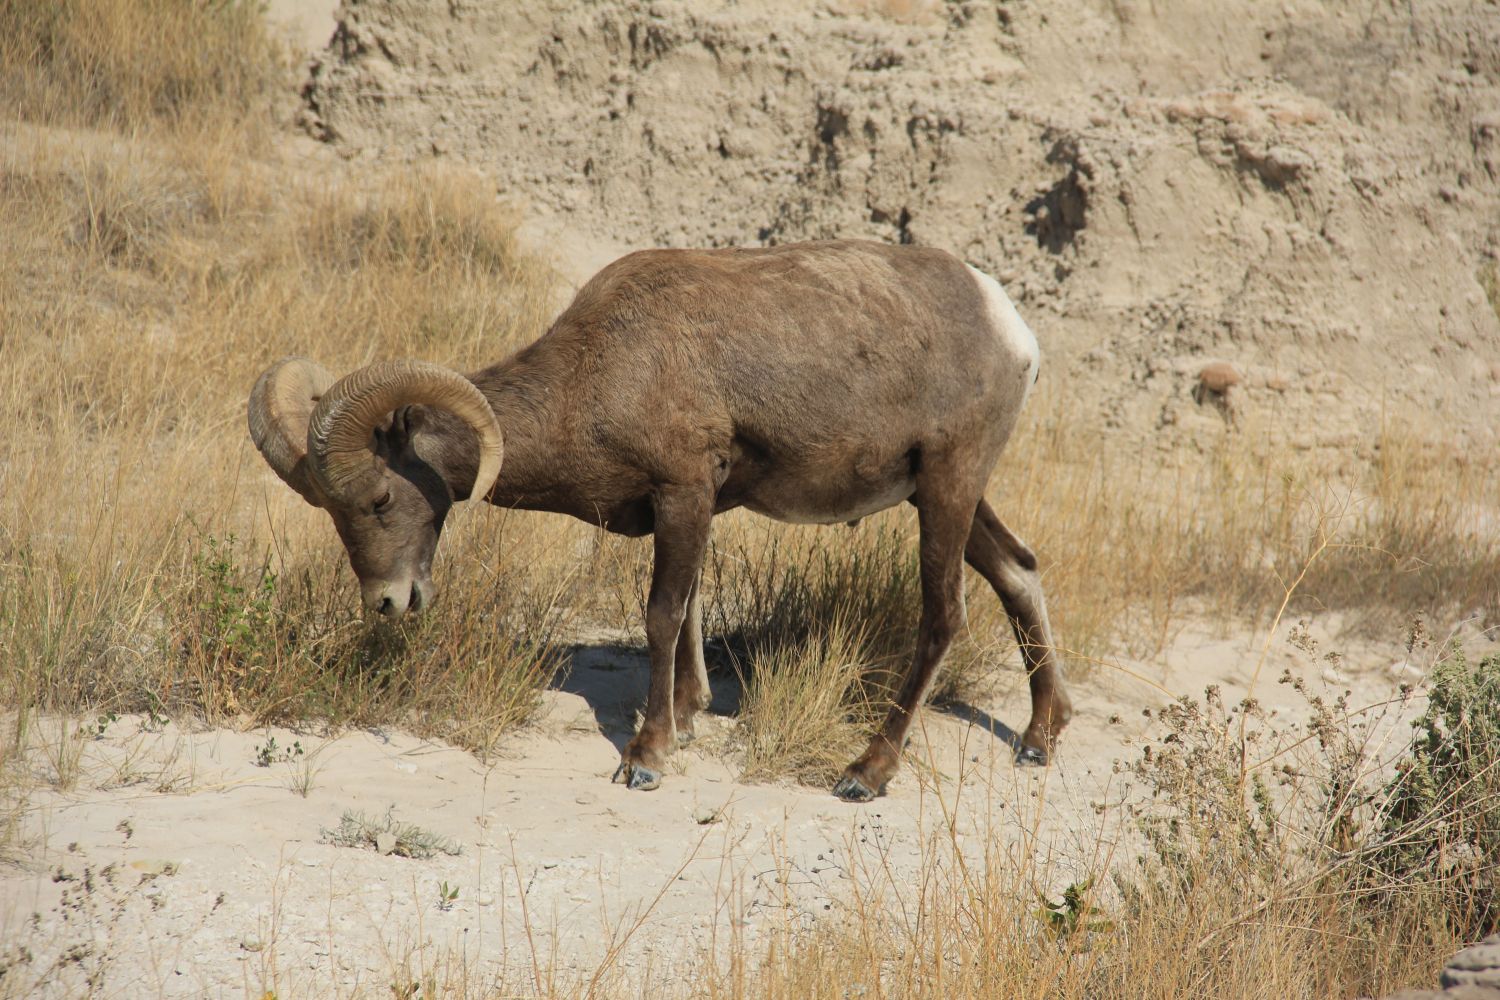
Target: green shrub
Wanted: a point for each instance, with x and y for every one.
(1441, 826)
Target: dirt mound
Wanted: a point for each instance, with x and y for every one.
(1307, 191)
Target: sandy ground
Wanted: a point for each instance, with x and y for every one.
(177, 866)
(306, 24)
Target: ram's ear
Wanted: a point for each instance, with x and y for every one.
(404, 424)
(384, 397)
(281, 404)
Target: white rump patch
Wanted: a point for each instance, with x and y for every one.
(1008, 325)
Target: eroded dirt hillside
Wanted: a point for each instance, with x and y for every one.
(1309, 191)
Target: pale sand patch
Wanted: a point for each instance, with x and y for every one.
(307, 23)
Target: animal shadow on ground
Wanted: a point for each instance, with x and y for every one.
(976, 716)
(612, 679)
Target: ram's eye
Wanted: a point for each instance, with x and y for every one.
(383, 502)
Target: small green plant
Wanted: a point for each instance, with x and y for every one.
(97, 729)
(447, 896)
(303, 776)
(270, 752)
(236, 616)
(1489, 280)
(388, 835)
(156, 719)
(1075, 912)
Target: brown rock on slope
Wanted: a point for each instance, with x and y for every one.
(1311, 192)
(1476, 967)
(1472, 974)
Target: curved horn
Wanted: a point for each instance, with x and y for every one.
(338, 433)
(280, 406)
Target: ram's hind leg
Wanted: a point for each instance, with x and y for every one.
(690, 691)
(945, 510)
(1010, 567)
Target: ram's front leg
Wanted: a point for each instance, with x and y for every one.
(682, 519)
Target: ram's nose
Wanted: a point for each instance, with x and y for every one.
(392, 599)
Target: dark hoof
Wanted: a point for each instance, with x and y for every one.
(852, 790)
(636, 777)
(1031, 757)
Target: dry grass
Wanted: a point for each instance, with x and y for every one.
(137, 64)
(1274, 861)
(1131, 547)
(806, 707)
(151, 560)
(1263, 872)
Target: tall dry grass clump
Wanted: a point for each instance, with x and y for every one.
(820, 626)
(152, 561)
(137, 64)
(806, 706)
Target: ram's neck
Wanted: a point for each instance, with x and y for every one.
(525, 391)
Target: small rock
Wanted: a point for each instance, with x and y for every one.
(251, 943)
(1288, 161)
(1477, 965)
(385, 842)
(704, 815)
(1215, 380)
(1401, 670)
(153, 868)
(1218, 377)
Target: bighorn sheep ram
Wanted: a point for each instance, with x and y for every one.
(817, 382)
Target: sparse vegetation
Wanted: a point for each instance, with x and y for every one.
(269, 753)
(163, 579)
(388, 835)
(1439, 833)
(1255, 884)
